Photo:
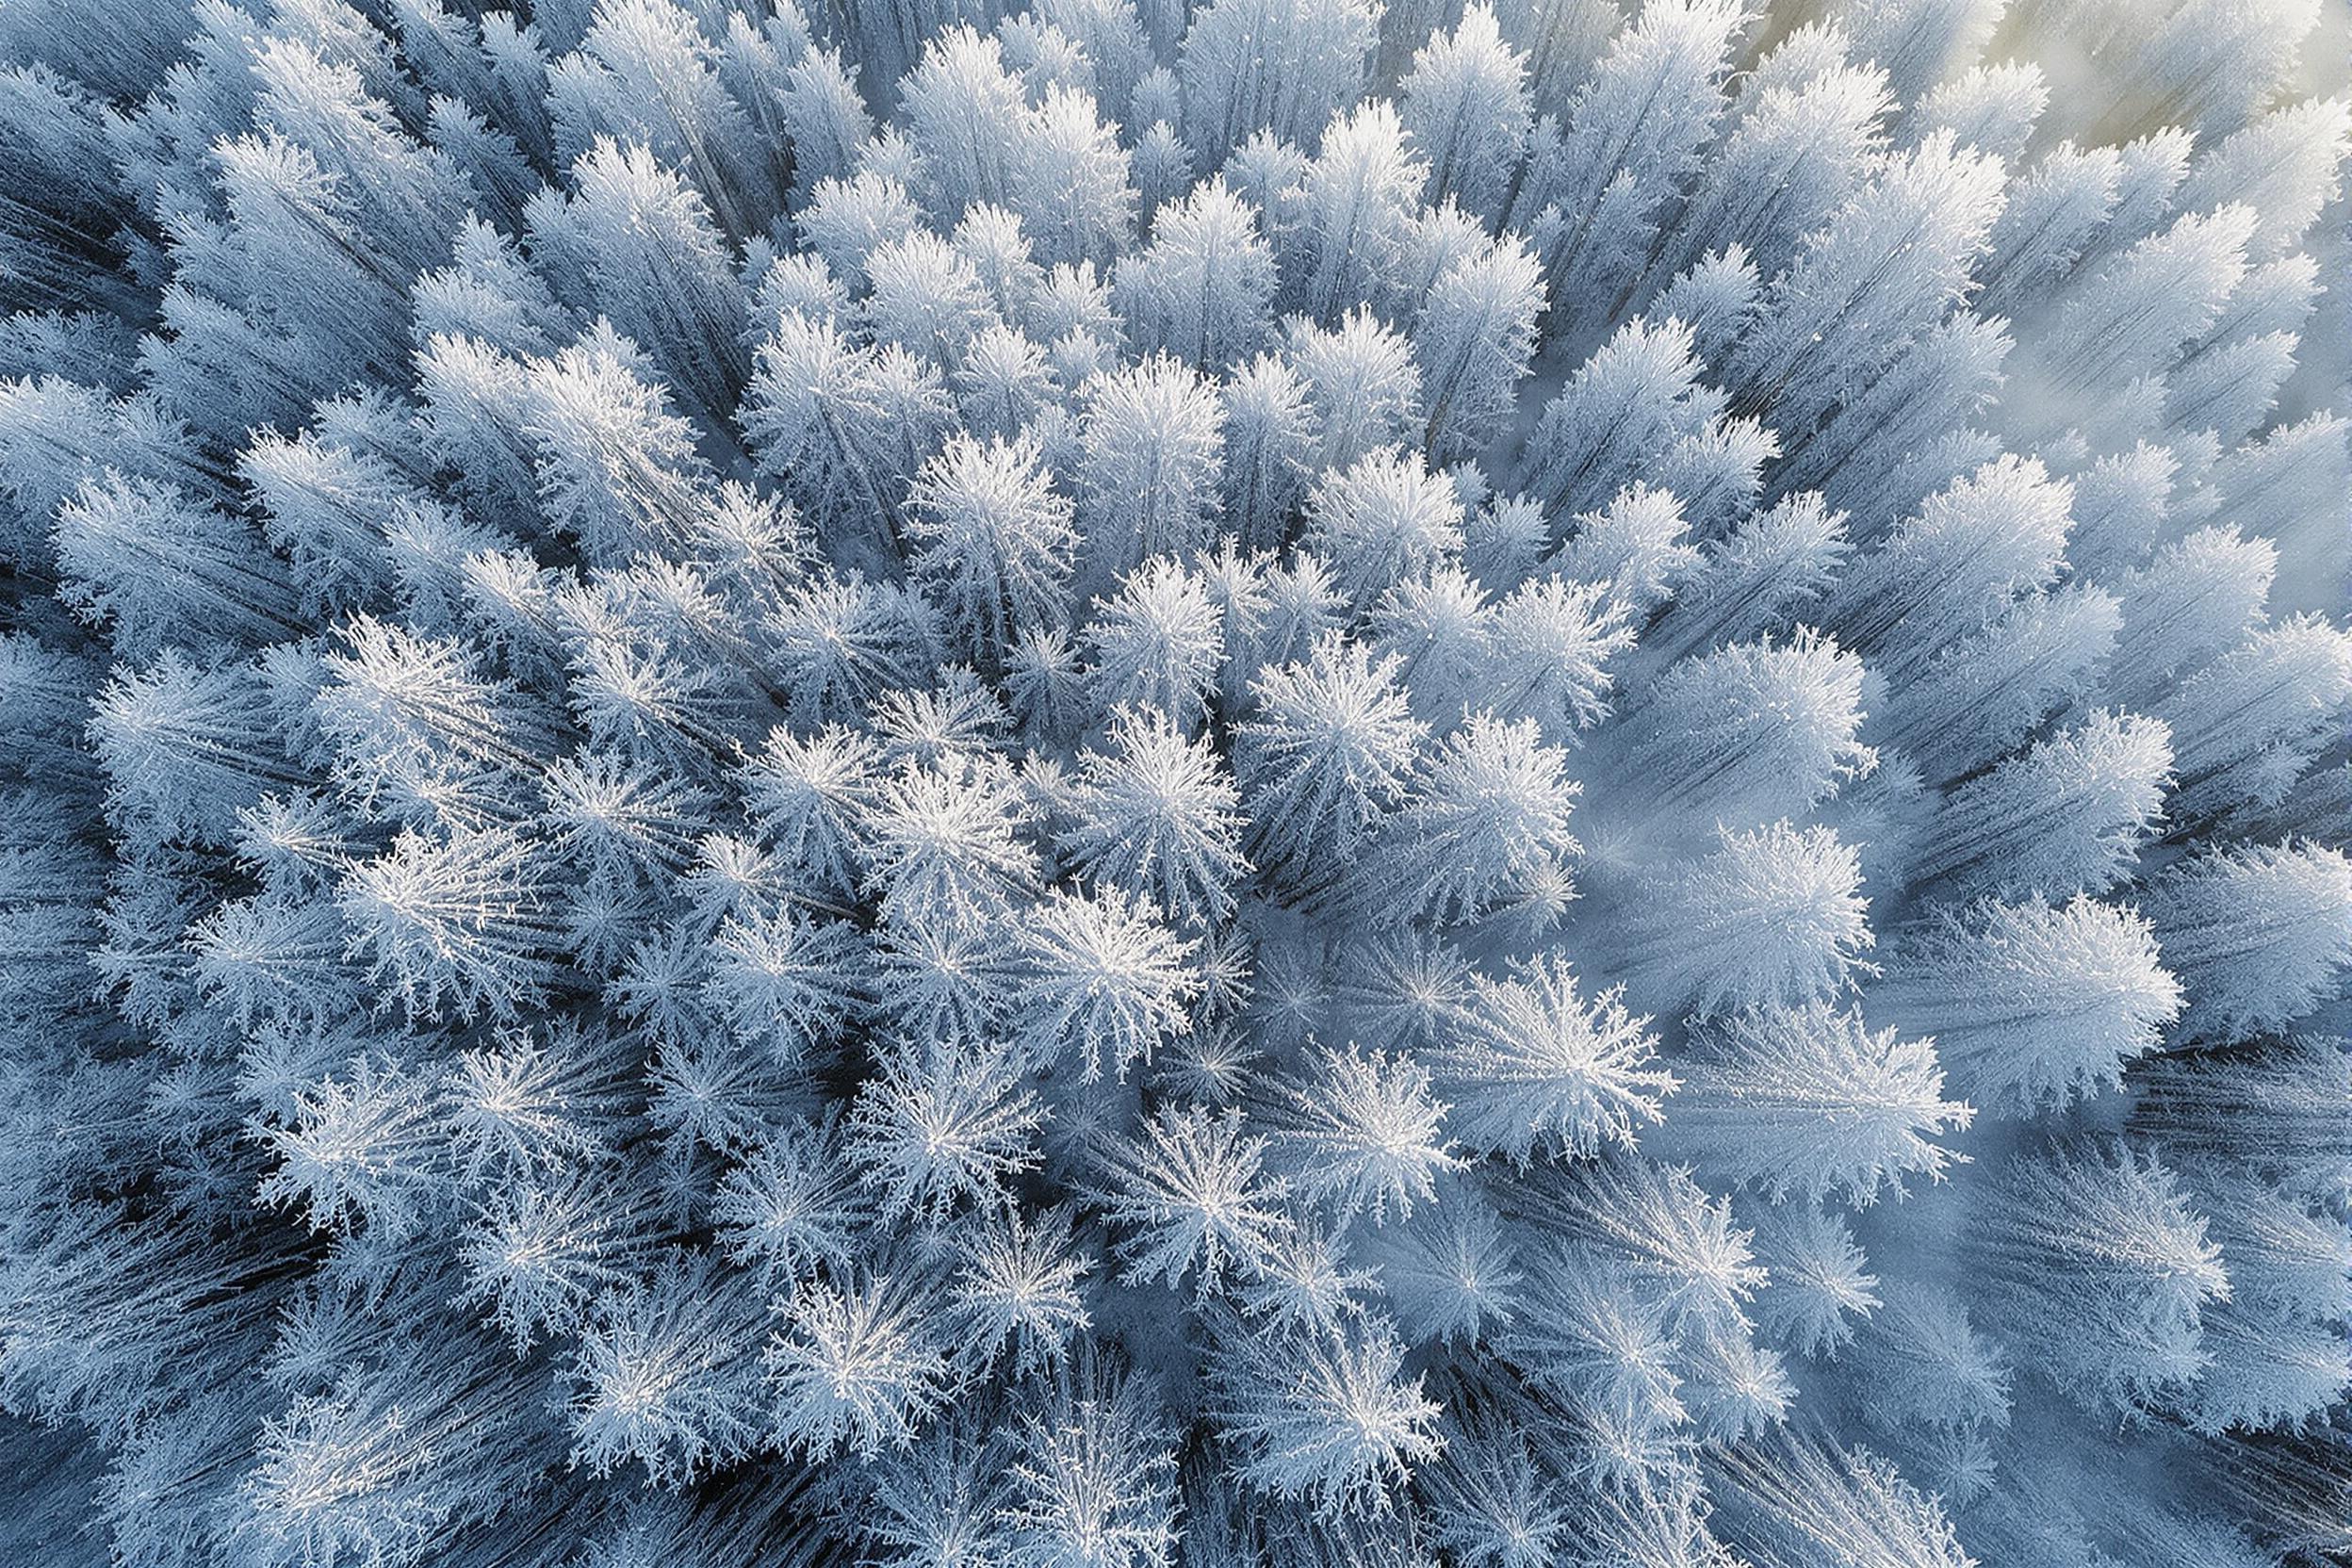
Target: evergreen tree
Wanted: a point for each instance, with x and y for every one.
(992, 541)
(1812, 1103)
(1158, 814)
(1778, 914)
(1328, 753)
(2101, 1258)
(1531, 1061)
(2257, 935)
(1282, 66)
(1328, 1419)
(1466, 113)
(1152, 453)
(2083, 994)
(1203, 289)
(1473, 337)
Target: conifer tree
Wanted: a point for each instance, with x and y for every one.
(1812, 1103)
(2101, 1255)
(2083, 994)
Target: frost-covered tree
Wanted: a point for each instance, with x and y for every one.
(1361, 1132)
(1811, 1102)
(1098, 1484)
(1973, 548)
(1159, 814)
(782, 981)
(1107, 982)
(1777, 917)
(2103, 1268)
(1532, 1062)
(1193, 1197)
(1820, 1276)
(1596, 185)
(1490, 812)
(2246, 725)
(186, 745)
(2271, 1109)
(1886, 265)
(1799, 1499)
(1751, 732)
(1282, 66)
(2033, 1002)
(2068, 813)
(1151, 453)
(1620, 410)
(855, 1364)
(634, 244)
(1467, 112)
(156, 567)
(1203, 289)
(1474, 336)
(1326, 755)
(1156, 644)
(991, 540)
(1380, 520)
(463, 918)
(1327, 1418)
(2259, 937)
(942, 1124)
(662, 1377)
(1355, 211)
